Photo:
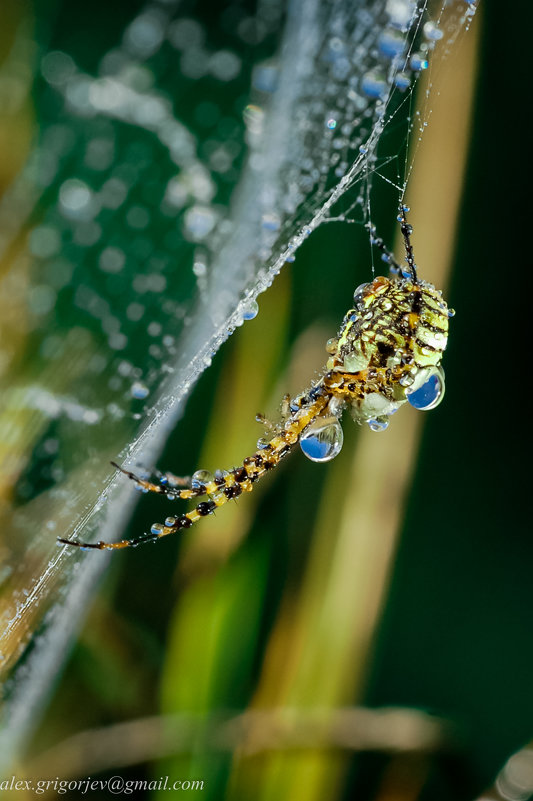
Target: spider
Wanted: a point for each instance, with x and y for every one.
(388, 352)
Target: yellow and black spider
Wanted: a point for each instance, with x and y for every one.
(387, 353)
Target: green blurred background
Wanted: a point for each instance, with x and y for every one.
(280, 602)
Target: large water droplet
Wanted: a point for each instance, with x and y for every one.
(322, 440)
(431, 392)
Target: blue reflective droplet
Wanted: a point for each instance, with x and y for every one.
(429, 394)
(322, 440)
(402, 80)
(391, 43)
(418, 63)
(374, 85)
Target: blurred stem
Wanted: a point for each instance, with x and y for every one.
(354, 729)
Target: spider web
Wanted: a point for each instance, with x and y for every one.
(155, 220)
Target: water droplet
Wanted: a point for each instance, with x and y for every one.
(374, 84)
(157, 528)
(401, 13)
(336, 406)
(363, 149)
(262, 443)
(358, 294)
(430, 393)
(391, 43)
(331, 123)
(418, 62)
(322, 440)
(378, 423)
(170, 521)
(332, 345)
(201, 477)
(265, 77)
(199, 221)
(432, 32)
(139, 390)
(402, 80)
(270, 222)
(250, 309)
(451, 312)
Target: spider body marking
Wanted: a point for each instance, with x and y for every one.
(388, 352)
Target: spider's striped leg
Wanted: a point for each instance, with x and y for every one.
(170, 480)
(235, 482)
(285, 410)
(170, 490)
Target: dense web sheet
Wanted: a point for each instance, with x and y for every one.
(149, 245)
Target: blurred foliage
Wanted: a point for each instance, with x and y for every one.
(283, 600)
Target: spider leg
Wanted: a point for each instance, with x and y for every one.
(232, 484)
(286, 407)
(170, 490)
(285, 414)
(268, 424)
(170, 479)
(407, 230)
